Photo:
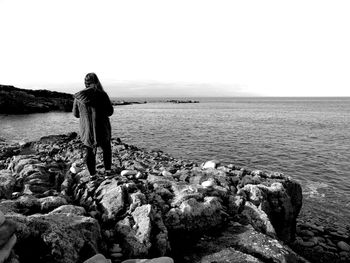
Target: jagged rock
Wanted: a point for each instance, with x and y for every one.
(57, 237)
(258, 219)
(69, 209)
(111, 198)
(136, 232)
(281, 208)
(194, 216)
(7, 184)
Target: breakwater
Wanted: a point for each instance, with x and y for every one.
(150, 205)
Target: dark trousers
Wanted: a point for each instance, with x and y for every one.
(90, 158)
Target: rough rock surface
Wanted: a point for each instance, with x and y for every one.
(161, 207)
(20, 101)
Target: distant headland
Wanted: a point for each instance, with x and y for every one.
(24, 101)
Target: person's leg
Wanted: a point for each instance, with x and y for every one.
(107, 155)
(90, 160)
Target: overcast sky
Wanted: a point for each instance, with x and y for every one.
(187, 48)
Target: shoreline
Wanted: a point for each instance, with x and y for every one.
(132, 162)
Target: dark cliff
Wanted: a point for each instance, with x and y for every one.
(21, 101)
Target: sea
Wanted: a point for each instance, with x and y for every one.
(305, 138)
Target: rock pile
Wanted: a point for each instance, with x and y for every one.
(150, 206)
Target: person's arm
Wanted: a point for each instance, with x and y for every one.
(76, 109)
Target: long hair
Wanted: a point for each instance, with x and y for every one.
(91, 80)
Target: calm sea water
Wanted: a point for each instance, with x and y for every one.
(306, 138)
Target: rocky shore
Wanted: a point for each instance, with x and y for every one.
(22, 101)
(150, 208)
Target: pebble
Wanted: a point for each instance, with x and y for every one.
(166, 173)
(211, 164)
(139, 175)
(343, 246)
(128, 172)
(74, 169)
(208, 184)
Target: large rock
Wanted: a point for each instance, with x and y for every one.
(111, 199)
(7, 184)
(136, 232)
(281, 201)
(6, 249)
(194, 216)
(57, 238)
(7, 229)
(226, 244)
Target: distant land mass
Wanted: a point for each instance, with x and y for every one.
(22, 101)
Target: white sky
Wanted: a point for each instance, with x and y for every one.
(225, 48)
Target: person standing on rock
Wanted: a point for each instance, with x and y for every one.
(93, 106)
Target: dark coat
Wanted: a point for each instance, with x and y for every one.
(93, 107)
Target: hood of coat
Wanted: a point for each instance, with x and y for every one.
(89, 96)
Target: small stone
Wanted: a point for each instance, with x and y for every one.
(211, 164)
(343, 246)
(115, 249)
(166, 173)
(128, 172)
(208, 184)
(139, 175)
